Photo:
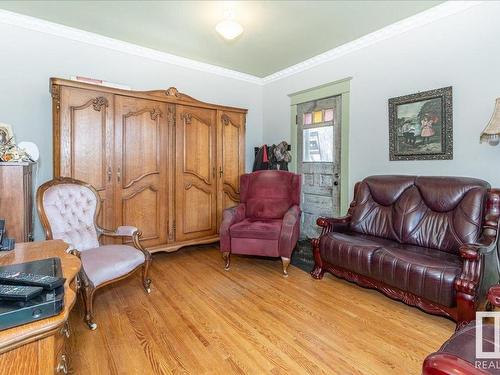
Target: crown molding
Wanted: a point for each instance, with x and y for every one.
(37, 24)
(428, 16)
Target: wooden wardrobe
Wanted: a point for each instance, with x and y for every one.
(161, 160)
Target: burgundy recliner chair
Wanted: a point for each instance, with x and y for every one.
(266, 222)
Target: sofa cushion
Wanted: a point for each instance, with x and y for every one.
(265, 230)
(433, 212)
(422, 271)
(444, 213)
(376, 198)
(350, 251)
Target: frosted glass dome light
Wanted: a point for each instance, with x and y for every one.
(229, 28)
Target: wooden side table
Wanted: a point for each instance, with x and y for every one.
(38, 348)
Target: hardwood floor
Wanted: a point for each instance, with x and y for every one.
(200, 319)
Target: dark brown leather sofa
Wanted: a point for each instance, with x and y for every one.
(430, 242)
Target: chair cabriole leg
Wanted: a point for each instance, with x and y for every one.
(88, 301)
(285, 262)
(146, 281)
(226, 255)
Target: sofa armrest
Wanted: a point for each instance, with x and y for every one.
(290, 230)
(479, 273)
(230, 216)
(494, 295)
(334, 224)
(448, 364)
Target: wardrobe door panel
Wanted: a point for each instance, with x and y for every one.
(85, 146)
(231, 135)
(196, 185)
(141, 136)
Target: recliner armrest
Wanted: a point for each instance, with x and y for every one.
(290, 229)
(292, 215)
(230, 216)
(234, 214)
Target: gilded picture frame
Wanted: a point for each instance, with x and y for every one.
(421, 126)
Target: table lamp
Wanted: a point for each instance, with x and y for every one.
(492, 131)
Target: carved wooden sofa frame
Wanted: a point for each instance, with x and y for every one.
(479, 272)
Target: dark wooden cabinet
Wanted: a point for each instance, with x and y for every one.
(161, 160)
(16, 200)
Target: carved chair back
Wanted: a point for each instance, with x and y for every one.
(68, 210)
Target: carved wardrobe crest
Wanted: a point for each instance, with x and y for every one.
(160, 160)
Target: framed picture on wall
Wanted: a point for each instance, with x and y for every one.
(421, 126)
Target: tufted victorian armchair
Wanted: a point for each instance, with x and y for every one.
(68, 210)
(267, 220)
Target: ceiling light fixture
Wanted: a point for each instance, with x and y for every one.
(229, 28)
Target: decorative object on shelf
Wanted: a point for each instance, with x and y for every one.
(10, 152)
(421, 126)
(228, 28)
(30, 149)
(6, 134)
(492, 131)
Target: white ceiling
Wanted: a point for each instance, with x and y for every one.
(278, 34)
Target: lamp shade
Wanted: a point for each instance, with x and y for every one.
(492, 131)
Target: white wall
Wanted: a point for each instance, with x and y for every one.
(462, 51)
(28, 59)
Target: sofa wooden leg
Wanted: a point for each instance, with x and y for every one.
(466, 309)
(318, 270)
(285, 262)
(226, 255)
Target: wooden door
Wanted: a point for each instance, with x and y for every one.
(83, 143)
(196, 183)
(141, 145)
(318, 141)
(231, 158)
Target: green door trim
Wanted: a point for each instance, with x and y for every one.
(341, 87)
